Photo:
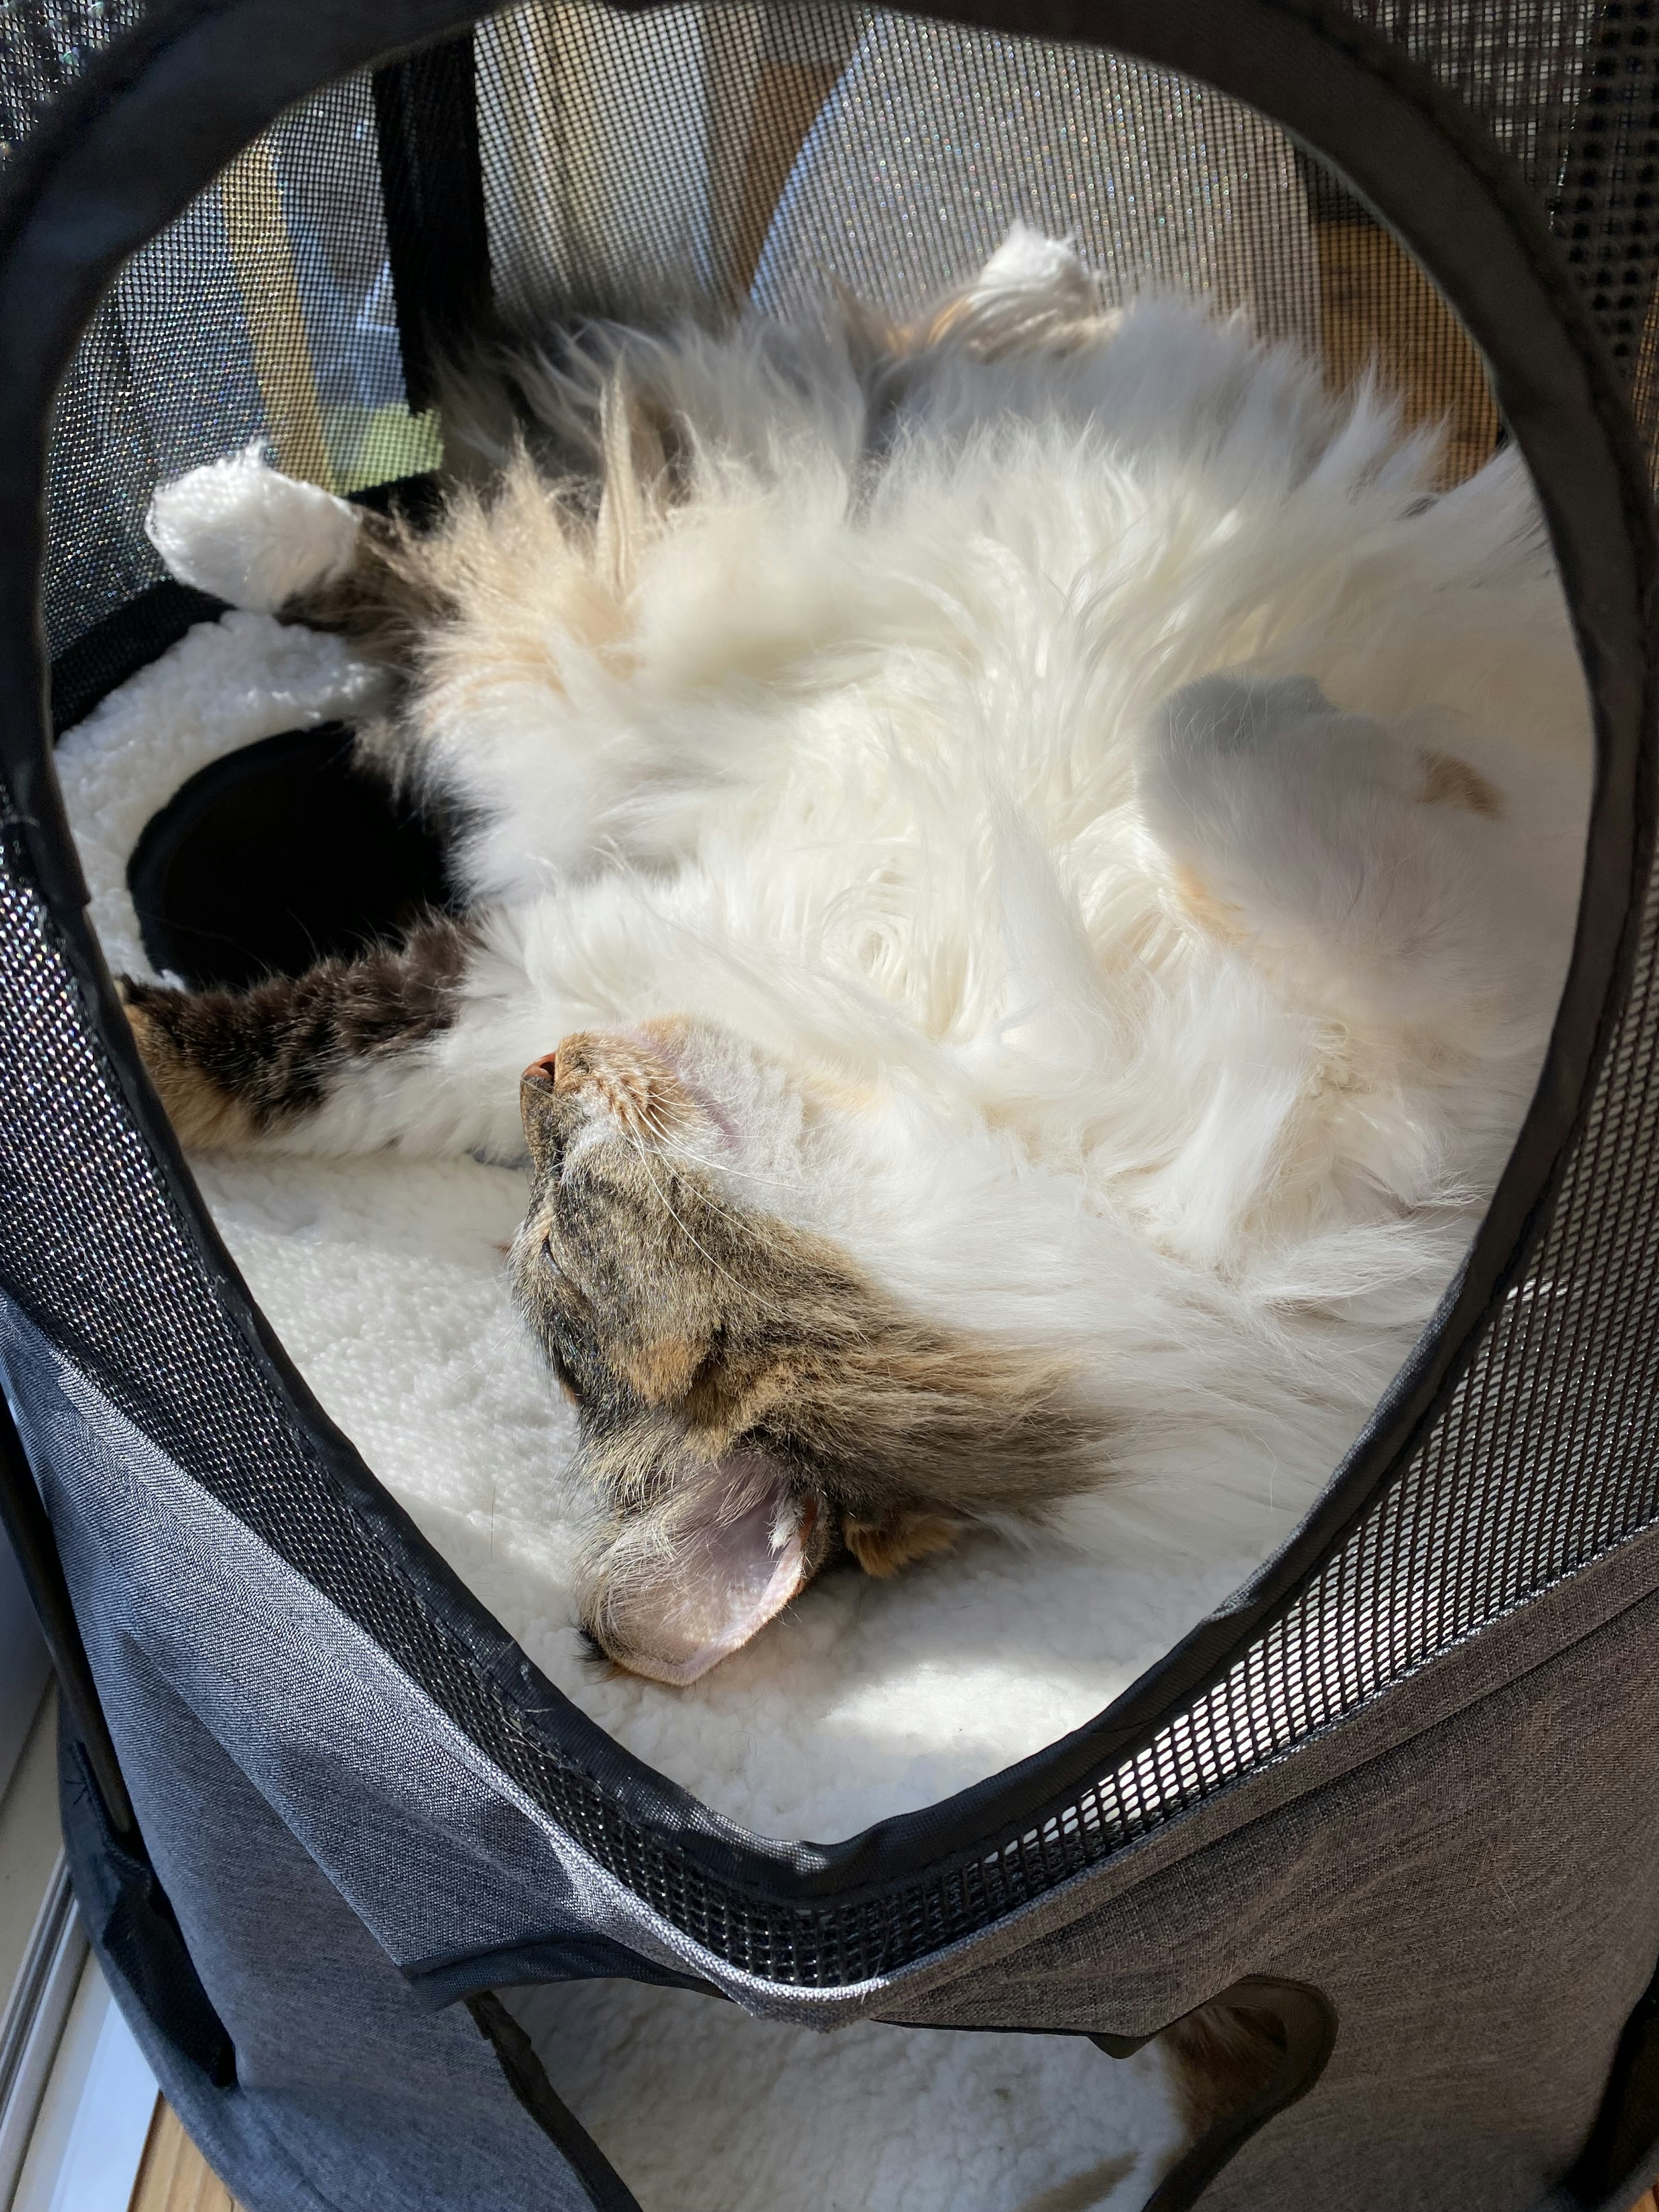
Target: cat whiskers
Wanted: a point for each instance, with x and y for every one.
(673, 1154)
(645, 1162)
(679, 1150)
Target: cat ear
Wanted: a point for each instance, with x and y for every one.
(680, 1586)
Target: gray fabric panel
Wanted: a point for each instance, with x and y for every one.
(349, 2096)
(425, 1838)
(428, 1844)
(1481, 1904)
(1510, 1647)
(1479, 1898)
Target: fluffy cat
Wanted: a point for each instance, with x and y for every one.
(1018, 871)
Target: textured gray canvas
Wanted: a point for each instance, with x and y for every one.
(1515, 1647)
(350, 2096)
(1467, 1869)
(1463, 1860)
(1482, 1905)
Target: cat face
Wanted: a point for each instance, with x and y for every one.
(752, 1405)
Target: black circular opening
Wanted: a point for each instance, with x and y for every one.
(277, 855)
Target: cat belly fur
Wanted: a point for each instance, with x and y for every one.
(839, 751)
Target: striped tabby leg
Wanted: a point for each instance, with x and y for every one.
(387, 600)
(233, 1067)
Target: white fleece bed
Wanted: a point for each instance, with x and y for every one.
(385, 1280)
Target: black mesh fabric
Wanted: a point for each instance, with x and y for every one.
(631, 161)
(43, 49)
(265, 311)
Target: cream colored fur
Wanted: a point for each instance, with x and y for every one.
(1186, 1041)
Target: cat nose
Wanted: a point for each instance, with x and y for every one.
(547, 1067)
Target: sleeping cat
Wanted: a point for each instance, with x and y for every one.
(1018, 871)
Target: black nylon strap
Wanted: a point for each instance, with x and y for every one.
(1307, 2025)
(24, 1518)
(130, 1920)
(1626, 2128)
(527, 2078)
(426, 113)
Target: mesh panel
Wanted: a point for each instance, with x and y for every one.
(43, 48)
(629, 161)
(265, 311)
(1567, 87)
(1523, 65)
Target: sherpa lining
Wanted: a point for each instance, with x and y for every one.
(701, 2109)
(385, 1278)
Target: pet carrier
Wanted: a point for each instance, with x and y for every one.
(1400, 1795)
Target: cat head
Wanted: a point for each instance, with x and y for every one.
(751, 1404)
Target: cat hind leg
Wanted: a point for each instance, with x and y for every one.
(1342, 842)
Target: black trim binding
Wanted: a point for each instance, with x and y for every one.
(439, 1981)
(150, 123)
(1306, 2023)
(526, 2077)
(24, 1519)
(426, 117)
(105, 656)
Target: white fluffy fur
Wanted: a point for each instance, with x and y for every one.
(877, 777)
(863, 781)
(384, 1279)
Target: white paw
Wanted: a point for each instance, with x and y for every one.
(1027, 264)
(1229, 717)
(239, 529)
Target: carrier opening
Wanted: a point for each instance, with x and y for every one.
(838, 779)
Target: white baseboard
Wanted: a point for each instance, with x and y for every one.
(31, 2028)
(85, 2094)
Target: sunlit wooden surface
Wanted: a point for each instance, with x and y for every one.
(174, 2176)
(1381, 313)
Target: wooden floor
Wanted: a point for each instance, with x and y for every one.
(174, 2177)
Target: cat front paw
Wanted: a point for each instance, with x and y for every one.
(239, 529)
(1030, 265)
